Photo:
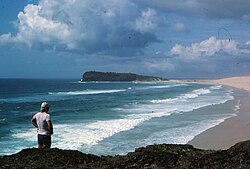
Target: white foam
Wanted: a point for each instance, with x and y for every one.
(29, 135)
(154, 87)
(95, 132)
(183, 97)
(182, 135)
(217, 87)
(188, 96)
(73, 136)
(163, 86)
(195, 94)
(170, 100)
(51, 95)
(201, 91)
(186, 103)
(2, 119)
(237, 106)
(86, 92)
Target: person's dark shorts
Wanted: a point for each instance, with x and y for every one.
(44, 140)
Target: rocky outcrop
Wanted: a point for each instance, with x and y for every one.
(151, 157)
(112, 76)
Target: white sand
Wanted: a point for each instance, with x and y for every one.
(242, 82)
(232, 130)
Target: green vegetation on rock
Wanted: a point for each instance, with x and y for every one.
(112, 76)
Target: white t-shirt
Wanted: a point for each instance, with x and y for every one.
(41, 120)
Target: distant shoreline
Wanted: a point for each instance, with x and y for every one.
(240, 82)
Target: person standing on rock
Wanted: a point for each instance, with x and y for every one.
(42, 122)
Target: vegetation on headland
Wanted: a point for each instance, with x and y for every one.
(112, 76)
(151, 157)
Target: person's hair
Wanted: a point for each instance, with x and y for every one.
(45, 109)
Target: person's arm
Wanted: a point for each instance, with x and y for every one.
(33, 121)
(50, 126)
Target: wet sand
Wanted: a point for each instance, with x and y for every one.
(232, 130)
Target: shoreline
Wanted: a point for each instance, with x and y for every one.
(234, 129)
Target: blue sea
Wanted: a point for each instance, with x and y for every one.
(109, 118)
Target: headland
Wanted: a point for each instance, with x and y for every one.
(113, 76)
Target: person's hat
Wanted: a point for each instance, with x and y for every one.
(44, 105)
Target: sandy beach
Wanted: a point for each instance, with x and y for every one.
(234, 129)
(242, 82)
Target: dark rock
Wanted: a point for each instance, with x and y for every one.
(151, 157)
(112, 76)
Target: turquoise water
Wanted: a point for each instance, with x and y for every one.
(110, 118)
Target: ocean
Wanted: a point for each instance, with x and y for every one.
(109, 118)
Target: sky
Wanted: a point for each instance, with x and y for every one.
(175, 39)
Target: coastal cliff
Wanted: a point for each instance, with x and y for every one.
(151, 157)
(112, 76)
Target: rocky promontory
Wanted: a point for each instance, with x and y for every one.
(151, 157)
(113, 76)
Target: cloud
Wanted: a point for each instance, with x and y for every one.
(85, 26)
(6, 38)
(147, 22)
(216, 9)
(33, 27)
(179, 27)
(248, 43)
(206, 48)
